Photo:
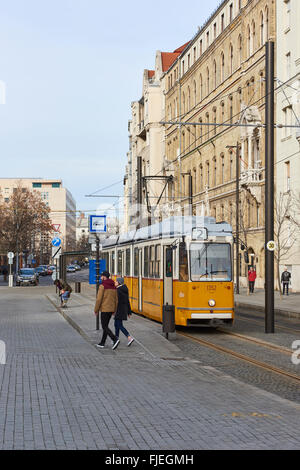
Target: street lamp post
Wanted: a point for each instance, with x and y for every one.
(237, 216)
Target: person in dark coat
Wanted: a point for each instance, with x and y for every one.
(123, 309)
(285, 279)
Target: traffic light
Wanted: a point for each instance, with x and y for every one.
(246, 257)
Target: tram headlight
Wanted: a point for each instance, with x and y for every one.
(211, 302)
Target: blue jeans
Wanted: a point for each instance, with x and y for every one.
(119, 326)
(65, 295)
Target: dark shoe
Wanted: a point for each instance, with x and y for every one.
(116, 344)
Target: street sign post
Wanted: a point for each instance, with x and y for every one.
(10, 256)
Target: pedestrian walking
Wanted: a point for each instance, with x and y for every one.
(106, 302)
(285, 279)
(123, 310)
(251, 279)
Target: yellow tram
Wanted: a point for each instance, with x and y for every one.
(184, 261)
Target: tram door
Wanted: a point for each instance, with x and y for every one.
(168, 275)
(140, 282)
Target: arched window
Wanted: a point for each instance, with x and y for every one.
(215, 119)
(195, 93)
(248, 41)
(183, 103)
(201, 88)
(266, 28)
(189, 100)
(200, 130)
(253, 39)
(207, 130)
(231, 58)
(240, 43)
(215, 74)
(207, 81)
(262, 27)
(222, 67)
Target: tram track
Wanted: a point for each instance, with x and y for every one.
(257, 321)
(243, 357)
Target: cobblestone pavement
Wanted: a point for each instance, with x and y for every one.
(57, 391)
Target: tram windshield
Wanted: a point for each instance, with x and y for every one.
(210, 262)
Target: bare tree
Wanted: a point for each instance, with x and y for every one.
(285, 230)
(24, 218)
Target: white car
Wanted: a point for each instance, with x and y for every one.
(71, 269)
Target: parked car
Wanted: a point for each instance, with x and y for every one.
(27, 276)
(45, 266)
(77, 267)
(41, 271)
(71, 269)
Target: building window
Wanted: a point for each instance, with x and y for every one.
(201, 47)
(215, 30)
(195, 54)
(222, 67)
(36, 185)
(222, 22)
(230, 12)
(55, 185)
(207, 39)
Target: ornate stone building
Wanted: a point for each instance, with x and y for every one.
(215, 101)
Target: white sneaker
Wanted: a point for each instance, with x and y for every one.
(101, 346)
(130, 342)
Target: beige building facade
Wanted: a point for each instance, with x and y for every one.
(59, 199)
(215, 100)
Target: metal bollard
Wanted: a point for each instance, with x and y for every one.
(168, 317)
(77, 287)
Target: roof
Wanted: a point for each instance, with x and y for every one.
(168, 58)
(151, 73)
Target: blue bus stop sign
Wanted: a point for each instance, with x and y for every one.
(92, 270)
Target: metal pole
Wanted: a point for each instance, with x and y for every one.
(269, 189)
(97, 275)
(237, 198)
(190, 192)
(139, 190)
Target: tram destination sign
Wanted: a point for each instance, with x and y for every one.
(199, 233)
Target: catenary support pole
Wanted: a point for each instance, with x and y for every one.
(269, 189)
(237, 197)
(97, 275)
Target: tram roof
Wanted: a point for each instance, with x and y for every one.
(171, 227)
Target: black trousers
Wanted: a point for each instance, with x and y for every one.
(251, 286)
(105, 317)
(285, 287)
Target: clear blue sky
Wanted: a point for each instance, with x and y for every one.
(71, 69)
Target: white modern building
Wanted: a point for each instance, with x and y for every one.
(288, 138)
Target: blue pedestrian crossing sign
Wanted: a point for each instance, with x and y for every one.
(56, 241)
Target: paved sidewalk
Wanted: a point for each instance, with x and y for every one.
(288, 306)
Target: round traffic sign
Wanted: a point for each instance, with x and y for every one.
(56, 241)
(10, 255)
(271, 245)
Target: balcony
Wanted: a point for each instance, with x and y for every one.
(141, 131)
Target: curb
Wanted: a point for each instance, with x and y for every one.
(261, 308)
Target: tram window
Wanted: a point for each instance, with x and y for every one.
(136, 262)
(151, 261)
(157, 261)
(169, 262)
(106, 257)
(183, 263)
(119, 267)
(210, 261)
(127, 264)
(146, 261)
(112, 262)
